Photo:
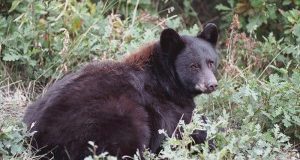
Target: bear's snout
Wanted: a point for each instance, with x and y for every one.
(208, 87)
(212, 86)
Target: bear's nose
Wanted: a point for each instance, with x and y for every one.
(212, 86)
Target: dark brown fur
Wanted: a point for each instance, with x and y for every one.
(118, 105)
(141, 57)
(131, 103)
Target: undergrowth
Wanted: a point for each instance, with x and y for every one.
(255, 113)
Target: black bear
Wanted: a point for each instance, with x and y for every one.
(121, 105)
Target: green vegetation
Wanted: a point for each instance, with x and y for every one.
(255, 113)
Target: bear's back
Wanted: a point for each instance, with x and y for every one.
(102, 79)
(86, 105)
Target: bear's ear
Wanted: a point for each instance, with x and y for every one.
(170, 41)
(209, 33)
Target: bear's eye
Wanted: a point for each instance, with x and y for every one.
(210, 63)
(195, 66)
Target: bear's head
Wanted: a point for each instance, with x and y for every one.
(195, 59)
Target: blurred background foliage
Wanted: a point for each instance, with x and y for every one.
(255, 114)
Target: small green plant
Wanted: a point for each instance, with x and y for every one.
(12, 142)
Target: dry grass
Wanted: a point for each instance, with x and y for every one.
(14, 97)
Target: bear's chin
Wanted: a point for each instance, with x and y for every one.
(198, 92)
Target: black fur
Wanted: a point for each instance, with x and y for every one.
(122, 105)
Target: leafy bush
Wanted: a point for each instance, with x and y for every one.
(42, 39)
(275, 24)
(254, 109)
(12, 140)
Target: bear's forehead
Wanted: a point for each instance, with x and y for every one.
(199, 47)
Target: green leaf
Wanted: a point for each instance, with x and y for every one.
(296, 31)
(286, 123)
(222, 7)
(257, 3)
(254, 23)
(11, 57)
(272, 11)
(14, 5)
(286, 2)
